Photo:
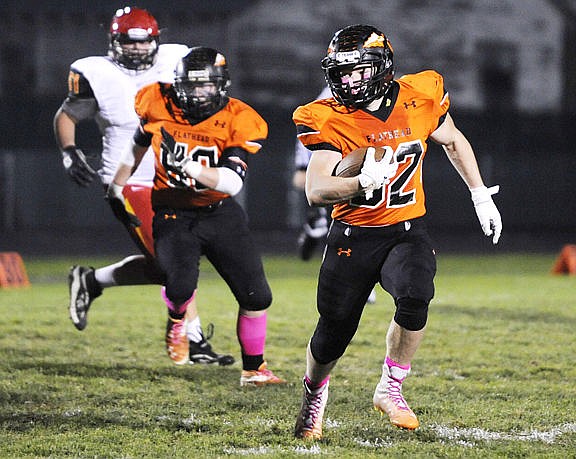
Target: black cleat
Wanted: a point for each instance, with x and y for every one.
(83, 289)
(202, 352)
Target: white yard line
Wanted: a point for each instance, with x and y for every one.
(477, 434)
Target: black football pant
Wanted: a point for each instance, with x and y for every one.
(400, 257)
(182, 236)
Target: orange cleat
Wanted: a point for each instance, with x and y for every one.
(260, 377)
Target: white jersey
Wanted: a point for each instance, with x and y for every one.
(115, 88)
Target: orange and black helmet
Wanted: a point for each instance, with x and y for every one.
(354, 47)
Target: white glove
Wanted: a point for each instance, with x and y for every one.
(191, 168)
(374, 174)
(486, 210)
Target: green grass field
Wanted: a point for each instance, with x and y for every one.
(494, 376)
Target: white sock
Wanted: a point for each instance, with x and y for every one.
(105, 276)
(194, 330)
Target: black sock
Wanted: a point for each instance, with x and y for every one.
(252, 362)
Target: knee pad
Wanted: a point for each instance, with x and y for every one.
(180, 300)
(258, 300)
(322, 353)
(179, 294)
(331, 338)
(414, 291)
(176, 307)
(411, 313)
(320, 357)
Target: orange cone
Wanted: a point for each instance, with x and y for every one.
(566, 261)
(12, 270)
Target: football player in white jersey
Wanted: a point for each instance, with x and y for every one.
(103, 88)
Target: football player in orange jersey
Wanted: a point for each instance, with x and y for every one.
(102, 88)
(202, 139)
(315, 228)
(377, 235)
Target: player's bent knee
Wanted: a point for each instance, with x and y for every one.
(178, 295)
(331, 338)
(411, 314)
(324, 353)
(256, 301)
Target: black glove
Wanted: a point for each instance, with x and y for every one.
(116, 200)
(168, 142)
(174, 160)
(77, 167)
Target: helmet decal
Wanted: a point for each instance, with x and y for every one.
(375, 41)
(220, 60)
(348, 57)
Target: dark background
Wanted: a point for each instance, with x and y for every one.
(523, 137)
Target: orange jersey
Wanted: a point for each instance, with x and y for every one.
(235, 125)
(415, 108)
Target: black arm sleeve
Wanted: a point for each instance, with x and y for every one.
(141, 137)
(235, 158)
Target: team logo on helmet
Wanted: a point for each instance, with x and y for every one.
(220, 60)
(375, 41)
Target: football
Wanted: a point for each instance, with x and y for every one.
(352, 163)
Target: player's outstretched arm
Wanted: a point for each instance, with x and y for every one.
(129, 161)
(462, 157)
(73, 158)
